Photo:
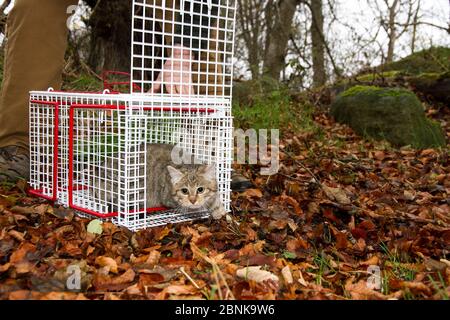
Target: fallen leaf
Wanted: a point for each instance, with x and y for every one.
(296, 244)
(337, 194)
(416, 287)
(372, 261)
(253, 193)
(104, 282)
(16, 235)
(153, 257)
(62, 213)
(301, 280)
(4, 267)
(19, 258)
(40, 209)
(446, 262)
(294, 203)
(360, 291)
(180, 289)
(408, 195)
(63, 296)
(24, 295)
(108, 262)
(176, 290)
(95, 227)
(256, 274)
(287, 275)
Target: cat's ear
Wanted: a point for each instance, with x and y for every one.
(175, 174)
(210, 171)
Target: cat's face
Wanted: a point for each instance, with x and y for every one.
(193, 186)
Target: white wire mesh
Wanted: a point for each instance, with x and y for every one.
(101, 150)
(186, 45)
(88, 151)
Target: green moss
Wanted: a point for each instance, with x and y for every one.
(376, 91)
(82, 82)
(395, 115)
(426, 79)
(268, 105)
(371, 77)
(433, 60)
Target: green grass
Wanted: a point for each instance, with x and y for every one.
(440, 287)
(394, 268)
(83, 83)
(275, 110)
(323, 268)
(289, 255)
(398, 269)
(264, 113)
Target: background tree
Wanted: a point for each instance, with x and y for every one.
(110, 35)
(395, 17)
(318, 43)
(280, 15)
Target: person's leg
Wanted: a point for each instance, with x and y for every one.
(34, 57)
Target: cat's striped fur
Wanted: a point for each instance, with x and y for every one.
(186, 186)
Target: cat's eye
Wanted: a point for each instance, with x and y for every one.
(184, 191)
(200, 190)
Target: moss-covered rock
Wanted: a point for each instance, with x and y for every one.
(435, 85)
(395, 115)
(374, 77)
(433, 60)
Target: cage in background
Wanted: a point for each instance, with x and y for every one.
(88, 150)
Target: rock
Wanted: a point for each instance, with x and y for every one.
(427, 71)
(435, 85)
(395, 115)
(432, 60)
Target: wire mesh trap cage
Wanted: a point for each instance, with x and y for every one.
(88, 151)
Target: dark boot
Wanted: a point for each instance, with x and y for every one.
(240, 183)
(14, 164)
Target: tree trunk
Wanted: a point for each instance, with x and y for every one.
(110, 44)
(392, 32)
(278, 37)
(415, 25)
(249, 20)
(318, 45)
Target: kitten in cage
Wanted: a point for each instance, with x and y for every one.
(176, 186)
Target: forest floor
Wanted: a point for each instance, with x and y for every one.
(342, 213)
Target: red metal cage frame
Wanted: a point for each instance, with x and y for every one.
(71, 186)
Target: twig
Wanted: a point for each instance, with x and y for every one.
(216, 278)
(216, 270)
(90, 71)
(189, 278)
(309, 171)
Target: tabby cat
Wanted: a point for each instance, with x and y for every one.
(186, 186)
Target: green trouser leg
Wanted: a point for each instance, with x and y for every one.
(34, 58)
